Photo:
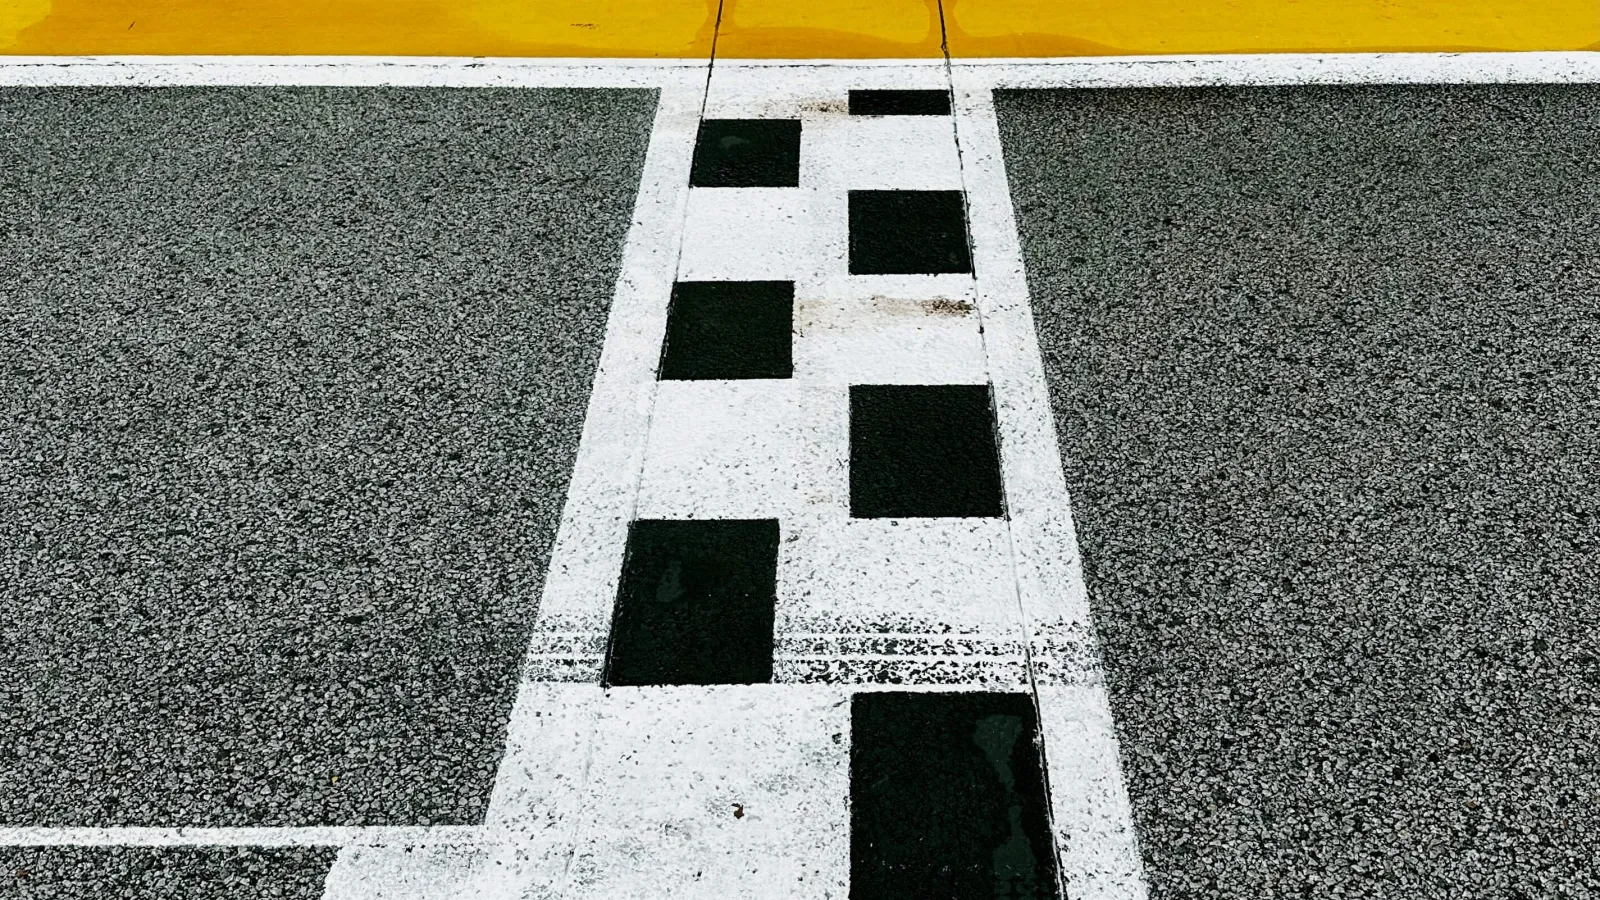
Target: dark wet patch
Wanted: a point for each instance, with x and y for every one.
(729, 329)
(923, 450)
(695, 605)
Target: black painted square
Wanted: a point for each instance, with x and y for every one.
(923, 450)
(908, 233)
(747, 153)
(695, 605)
(729, 329)
(947, 798)
(899, 103)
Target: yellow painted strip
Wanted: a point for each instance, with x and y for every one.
(799, 29)
(1135, 27)
(830, 29)
(616, 28)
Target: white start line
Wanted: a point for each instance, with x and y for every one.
(745, 790)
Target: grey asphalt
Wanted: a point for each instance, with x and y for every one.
(164, 873)
(292, 381)
(1325, 366)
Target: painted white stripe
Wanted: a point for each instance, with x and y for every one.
(1096, 841)
(348, 71)
(1575, 67)
(1284, 68)
(316, 836)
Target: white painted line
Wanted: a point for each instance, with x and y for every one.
(1090, 811)
(527, 842)
(907, 153)
(1283, 69)
(336, 71)
(912, 600)
(621, 792)
(313, 836)
(817, 90)
(752, 234)
(733, 101)
(910, 329)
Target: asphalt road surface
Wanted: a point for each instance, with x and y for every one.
(1323, 365)
(293, 381)
(294, 378)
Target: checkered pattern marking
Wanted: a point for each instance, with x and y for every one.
(788, 647)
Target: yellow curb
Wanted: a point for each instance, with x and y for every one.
(1034, 28)
(787, 29)
(602, 28)
(830, 29)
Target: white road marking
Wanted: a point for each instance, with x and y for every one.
(734, 791)
(584, 767)
(907, 600)
(1577, 67)
(1091, 813)
(897, 329)
(343, 71)
(754, 449)
(1566, 67)
(754, 234)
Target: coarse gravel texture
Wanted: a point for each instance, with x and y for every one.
(292, 380)
(1325, 365)
(164, 873)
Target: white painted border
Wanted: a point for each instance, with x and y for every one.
(338, 71)
(1096, 844)
(1569, 67)
(1577, 67)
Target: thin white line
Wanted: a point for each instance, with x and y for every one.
(1579, 67)
(314, 836)
(900, 657)
(1567, 67)
(288, 71)
(1097, 846)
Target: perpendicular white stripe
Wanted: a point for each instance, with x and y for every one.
(312, 836)
(1567, 67)
(1097, 845)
